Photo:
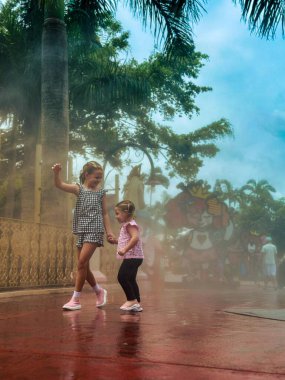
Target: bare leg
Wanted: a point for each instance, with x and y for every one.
(89, 277)
(83, 271)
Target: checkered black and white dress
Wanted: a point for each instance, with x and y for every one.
(88, 213)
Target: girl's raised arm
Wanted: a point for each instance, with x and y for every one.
(69, 188)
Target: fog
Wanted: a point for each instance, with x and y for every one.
(194, 233)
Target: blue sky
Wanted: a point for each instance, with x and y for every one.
(247, 77)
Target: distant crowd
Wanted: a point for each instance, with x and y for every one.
(259, 263)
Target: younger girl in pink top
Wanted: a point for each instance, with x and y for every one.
(130, 251)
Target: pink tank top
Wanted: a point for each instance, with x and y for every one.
(136, 252)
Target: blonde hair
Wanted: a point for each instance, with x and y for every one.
(89, 168)
(127, 207)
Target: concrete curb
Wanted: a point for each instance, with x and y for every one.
(29, 292)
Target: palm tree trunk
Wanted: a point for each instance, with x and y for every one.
(10, 198)
(31, 136)
(55, 121)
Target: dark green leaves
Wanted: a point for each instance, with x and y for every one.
(264, 16)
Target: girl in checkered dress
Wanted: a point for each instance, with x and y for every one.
(89, 222)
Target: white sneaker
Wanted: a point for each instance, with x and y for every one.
(135, 307)
(101, 298)
(73, 304)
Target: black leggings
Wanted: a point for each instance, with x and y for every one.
(127, 278)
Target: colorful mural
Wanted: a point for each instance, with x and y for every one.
(208, 225)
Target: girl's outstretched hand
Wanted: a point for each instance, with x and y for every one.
(111, 239)
(56, 168)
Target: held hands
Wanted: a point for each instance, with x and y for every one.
(112, 239)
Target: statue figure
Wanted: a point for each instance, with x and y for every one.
(209, 228)
(134, 188)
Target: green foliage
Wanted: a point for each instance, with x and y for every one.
(157, 178)
(19, 64)
(264, 17)
(234, 198)
(258, 192)
(278, 225)
(116, 102)
(113, 100)
(253, 201)
(170, 22)
(171, 81)
(185, 152)
(255, 218)
(255, 208)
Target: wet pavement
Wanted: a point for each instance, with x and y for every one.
(181, 334)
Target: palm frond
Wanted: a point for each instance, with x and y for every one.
(88, 14)
(170, 20)
(108, 84)
(264, 16)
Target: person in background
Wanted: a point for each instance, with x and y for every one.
(252, 258)
(269, 259)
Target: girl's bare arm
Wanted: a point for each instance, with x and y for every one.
(69, 188)
(106, 220)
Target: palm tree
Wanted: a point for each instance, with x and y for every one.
(258, 192)
(227, 193)
(20, 88)
(257, 211)
(54, 114)
(27, 109)
(19, 100)
(170, 21)
(264, 17)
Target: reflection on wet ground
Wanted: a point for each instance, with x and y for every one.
(183, 333)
